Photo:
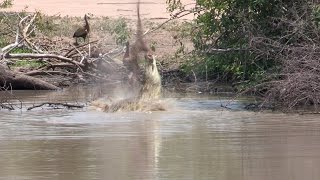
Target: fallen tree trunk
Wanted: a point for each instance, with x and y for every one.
(18, 81)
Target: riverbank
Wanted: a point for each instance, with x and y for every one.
(53, 34)
(178, 63)
(151, 9)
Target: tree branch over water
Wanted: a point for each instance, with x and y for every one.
(56, 105)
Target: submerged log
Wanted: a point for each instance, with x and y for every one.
(18, 81)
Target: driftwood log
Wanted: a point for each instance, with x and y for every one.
(16, 80)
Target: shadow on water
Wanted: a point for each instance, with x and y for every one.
(195, 139)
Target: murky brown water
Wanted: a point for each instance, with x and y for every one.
(195, 140)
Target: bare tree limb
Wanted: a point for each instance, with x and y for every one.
(9, 47)
(75, 47)
(178, 15)
(39, 56)
(56, 104)
(36, 73)
(60, 65)
(4, 106)
(218, 50)
(25, 35)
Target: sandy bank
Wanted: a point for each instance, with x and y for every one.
(151, 9)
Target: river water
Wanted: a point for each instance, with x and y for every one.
(194, 139)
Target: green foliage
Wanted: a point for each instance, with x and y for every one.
(231, 24)
(182, 30)
(227, 67)
(153, 45)
(45, 24)
(2, 42)
(6, 3)
(173, 5)
(235, 21)
(316, 15)
(28, 64)
(8, 23)
(119, 30)
(21, 50)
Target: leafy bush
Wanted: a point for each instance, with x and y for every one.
(119, 30)
(6, 3)
(233, 25)
(271, 45)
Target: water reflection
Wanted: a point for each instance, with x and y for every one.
(195, 140)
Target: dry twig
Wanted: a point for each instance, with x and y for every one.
(55, 105)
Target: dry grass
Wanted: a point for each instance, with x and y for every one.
(113, 32)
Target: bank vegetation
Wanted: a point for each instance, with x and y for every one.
(266, 48)
(269, 48)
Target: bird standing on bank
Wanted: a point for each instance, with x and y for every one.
(82, 31)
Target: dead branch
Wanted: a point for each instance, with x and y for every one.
(7, 48)
(59, 65)
(177, 15)
(4, 106)
(54, 105)
(10, 47)
(41, 56)
(217, 50)
(36, 73)
(25, 35)
(73, 61)
(297, 84)
(75, 47)
(5, 100)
